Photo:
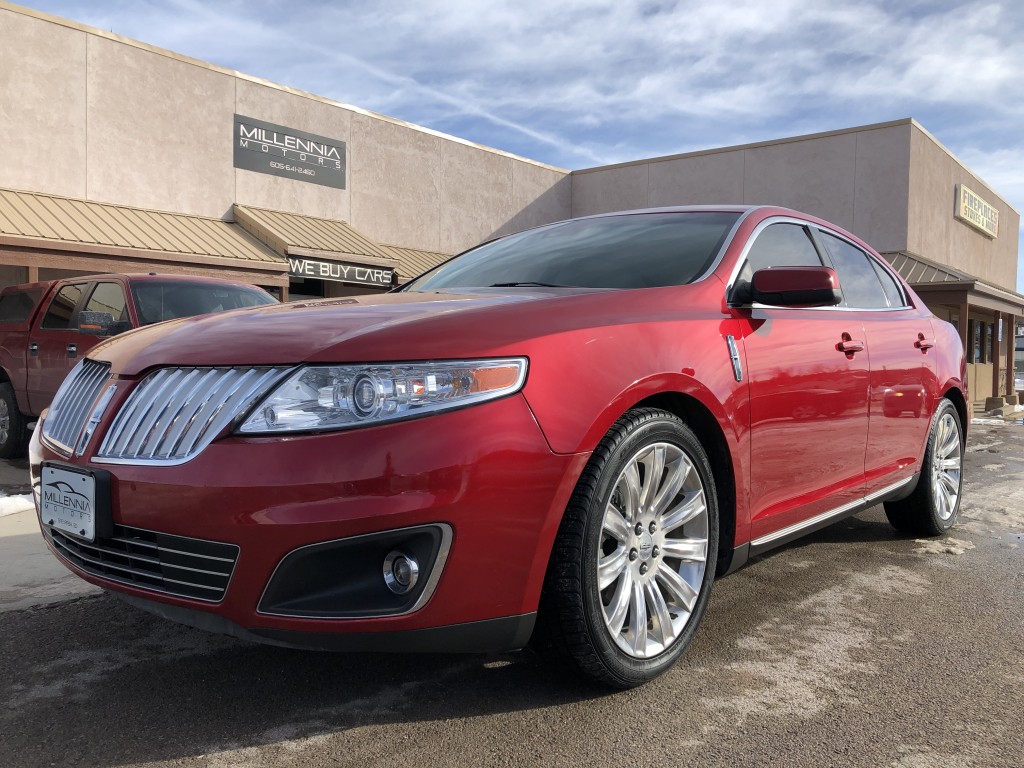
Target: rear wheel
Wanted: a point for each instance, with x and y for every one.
(12, 424)
(934, 505)
(629, 578)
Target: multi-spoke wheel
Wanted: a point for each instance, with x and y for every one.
(933, 506)
(12, 424)
(635, 556)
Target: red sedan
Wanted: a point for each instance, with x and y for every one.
(573, 429)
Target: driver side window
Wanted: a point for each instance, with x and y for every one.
(780, 245)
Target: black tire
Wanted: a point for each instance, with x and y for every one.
(572, 621)
(929, 510)
(12, 424)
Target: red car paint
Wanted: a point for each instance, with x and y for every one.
(804, 431)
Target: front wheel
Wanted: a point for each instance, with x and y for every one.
(629, 577)
(935, 503)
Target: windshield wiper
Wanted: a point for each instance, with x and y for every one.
(528, 284)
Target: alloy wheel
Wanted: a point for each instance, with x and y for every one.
(947, 466)
(653, 551)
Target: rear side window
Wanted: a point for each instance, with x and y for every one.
(109, 297)
(780, 245)
(58, 315)
(17, 306)
(857, 277)
(892, 290)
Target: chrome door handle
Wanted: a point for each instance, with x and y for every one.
(72, 350)
(849, 345)
(33, 348)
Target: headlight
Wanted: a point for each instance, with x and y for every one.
(343, 396)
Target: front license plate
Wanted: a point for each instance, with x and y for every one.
(68, 501)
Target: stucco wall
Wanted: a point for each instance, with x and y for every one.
(934, 232)
(857, 179)
(87, 114)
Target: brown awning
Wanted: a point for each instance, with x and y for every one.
(37, 221)
(291, 234)
(946, 285)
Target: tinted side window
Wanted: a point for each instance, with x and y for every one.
(108, 297)
(892, 290)
(16, 307)
(857, 278)
(58, 315)
(780, 245)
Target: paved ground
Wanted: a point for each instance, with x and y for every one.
(853, 647)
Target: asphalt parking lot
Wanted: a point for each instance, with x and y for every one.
(854, 646)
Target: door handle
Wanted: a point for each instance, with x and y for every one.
(849, 345)
(72, 350)
(33, 349)
(924, 344)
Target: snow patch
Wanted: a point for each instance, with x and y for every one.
(944, 546)
(12, 505)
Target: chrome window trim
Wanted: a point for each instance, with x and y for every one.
(880, 262)
(837, 512)
(428, 589)
(792, 220)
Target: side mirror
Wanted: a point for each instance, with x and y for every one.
(796, 287)
(100, 324)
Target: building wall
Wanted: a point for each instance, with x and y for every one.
(935, 234)
(858, 179)
(92, 115)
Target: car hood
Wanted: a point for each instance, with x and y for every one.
(402, 326)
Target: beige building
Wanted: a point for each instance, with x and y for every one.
(120, 156)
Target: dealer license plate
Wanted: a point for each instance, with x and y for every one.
(67, 501)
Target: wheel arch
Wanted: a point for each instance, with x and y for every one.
(955, 395)
(702, 421)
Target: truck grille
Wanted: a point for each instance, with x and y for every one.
(176, 412)
(173, 565)
(73, 403)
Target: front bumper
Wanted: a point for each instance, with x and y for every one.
(485, 473)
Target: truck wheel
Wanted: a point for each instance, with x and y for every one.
(12, 424)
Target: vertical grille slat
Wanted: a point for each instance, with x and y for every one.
(175, 413)
(73, 404)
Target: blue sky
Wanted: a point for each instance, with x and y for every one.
(579, 83)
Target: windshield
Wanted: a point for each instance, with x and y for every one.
(159, 300)
(642, 250)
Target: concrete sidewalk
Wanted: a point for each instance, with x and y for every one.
(29, 573)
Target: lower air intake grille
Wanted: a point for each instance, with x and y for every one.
(174, 565)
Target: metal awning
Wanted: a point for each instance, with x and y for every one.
(31, 220)
(292, 234)
(948, 285)
(413, 262)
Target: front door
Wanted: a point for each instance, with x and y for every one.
(54, 345)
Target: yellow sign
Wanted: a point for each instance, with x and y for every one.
(975, 212)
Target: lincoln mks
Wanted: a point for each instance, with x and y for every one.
(563, 435)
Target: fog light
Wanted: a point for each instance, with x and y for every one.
(401, 572)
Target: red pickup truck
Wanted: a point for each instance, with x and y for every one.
(45, 328)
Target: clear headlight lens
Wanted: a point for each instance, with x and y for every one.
(342, 396)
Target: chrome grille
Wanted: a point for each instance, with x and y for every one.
(176, 412)
(72, 404)
(174, 565)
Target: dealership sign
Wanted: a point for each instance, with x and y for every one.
(279, 151)
(339, 271)
(975, 212)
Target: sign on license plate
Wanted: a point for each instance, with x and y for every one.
(67, 501)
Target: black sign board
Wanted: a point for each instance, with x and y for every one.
(339, 271)
(279, 151)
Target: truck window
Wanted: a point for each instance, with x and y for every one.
(109, 297)
(58, 315)
(15, 307)
(158, 300)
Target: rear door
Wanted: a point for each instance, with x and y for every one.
(808, 399)
(54, 344)
(902, 382)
